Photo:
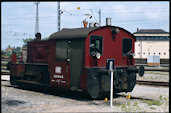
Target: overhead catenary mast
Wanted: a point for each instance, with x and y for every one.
(59, 16)
(37, 18)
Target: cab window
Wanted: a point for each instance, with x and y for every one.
(61, 50)
(96, 44)
(126, 46)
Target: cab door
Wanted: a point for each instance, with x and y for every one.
(75, 57)
(59, 70)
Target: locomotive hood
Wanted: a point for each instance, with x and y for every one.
(72, 33)
(76, 33)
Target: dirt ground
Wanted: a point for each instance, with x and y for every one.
(143, 99)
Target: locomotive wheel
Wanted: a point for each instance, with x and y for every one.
(131, 81)
(12, 80)
(93, 86)
(8, 65)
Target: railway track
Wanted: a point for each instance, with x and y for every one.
(5, 73)
(153, 83)
(141, 82)
(161, 70)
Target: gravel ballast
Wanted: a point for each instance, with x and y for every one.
(143, 99)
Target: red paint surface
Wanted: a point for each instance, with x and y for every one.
(17, 69)
(60, 82)
(83, 82)
(52, 63)
(13, 58)
(21, 58)
(38, 51)
(112, 47)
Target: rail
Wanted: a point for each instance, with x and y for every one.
(5, 73)
(161, 70)
(153, 83)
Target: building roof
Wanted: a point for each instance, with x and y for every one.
(151, 31)
(8, 49)
(76, 33)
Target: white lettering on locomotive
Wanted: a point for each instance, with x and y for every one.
(58, 76)
(53, 80)
(63, 81)
(58, 69)
(58, 81)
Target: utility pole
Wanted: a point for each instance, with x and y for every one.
(59, 16)
(37, 19)
(99, 17)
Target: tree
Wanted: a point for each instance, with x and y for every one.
(17, 50)
(27, 40)
(46, 38)
(9, 46)
(31, 39)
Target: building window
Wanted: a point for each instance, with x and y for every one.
(153, 38)
(159, 53)
(138, 53)
(144, 53)
(154, 53)
(138, 44)
(149, 53)
(164, 53)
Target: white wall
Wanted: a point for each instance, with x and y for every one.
(160, 48)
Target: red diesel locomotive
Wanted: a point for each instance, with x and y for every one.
(77, 59)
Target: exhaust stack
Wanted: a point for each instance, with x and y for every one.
(108, 21)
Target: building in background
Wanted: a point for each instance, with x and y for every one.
(153, 42)
(9, 50)
(24, 53)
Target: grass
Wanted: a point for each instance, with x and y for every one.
(117, 105)
(131, 107)
(134, 107)
(128, 103)
(135, 104)
(128, 108)
(152, 108)
(165, 98)
(160, 97)
(123, 106)
(152, 102)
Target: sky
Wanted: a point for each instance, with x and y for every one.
(18, 18)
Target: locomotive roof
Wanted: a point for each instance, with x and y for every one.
(76, 33)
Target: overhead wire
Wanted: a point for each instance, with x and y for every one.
(104, 13)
